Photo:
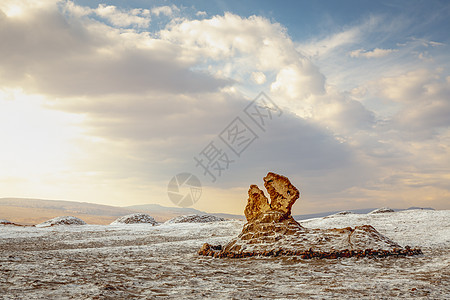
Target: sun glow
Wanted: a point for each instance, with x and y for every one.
(34, 140)
(12, 10)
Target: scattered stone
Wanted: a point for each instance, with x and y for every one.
(195, 219)
(271, 231)
(382, 210)
(65, 220)
(343, 213)
(209, 250)
(137, 218)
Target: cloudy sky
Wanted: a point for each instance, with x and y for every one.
(106, 101)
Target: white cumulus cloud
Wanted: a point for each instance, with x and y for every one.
(375, 53)
(124, 18)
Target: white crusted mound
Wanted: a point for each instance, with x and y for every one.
(195, 219)
(138, 218)
(5, 222)
(382, 210)
(65, 220)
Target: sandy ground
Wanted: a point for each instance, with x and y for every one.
(161, 262)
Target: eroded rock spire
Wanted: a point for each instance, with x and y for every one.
(272, 231)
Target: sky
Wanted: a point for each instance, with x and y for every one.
(107, 101)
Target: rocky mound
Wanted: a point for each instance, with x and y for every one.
(271, 231)
(195, 219)
(65, 220)
(138, 218)
(382, 210)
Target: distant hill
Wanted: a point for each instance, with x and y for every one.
(415, 207)
(34, 211)
(355, 211)
(329, 213)
(164, 209)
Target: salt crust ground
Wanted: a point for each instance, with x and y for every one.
(145, 261)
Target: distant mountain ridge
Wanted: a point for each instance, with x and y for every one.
(160, 208)
(31, 211)
(70, 206)
(35, 211)
(175, 211)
